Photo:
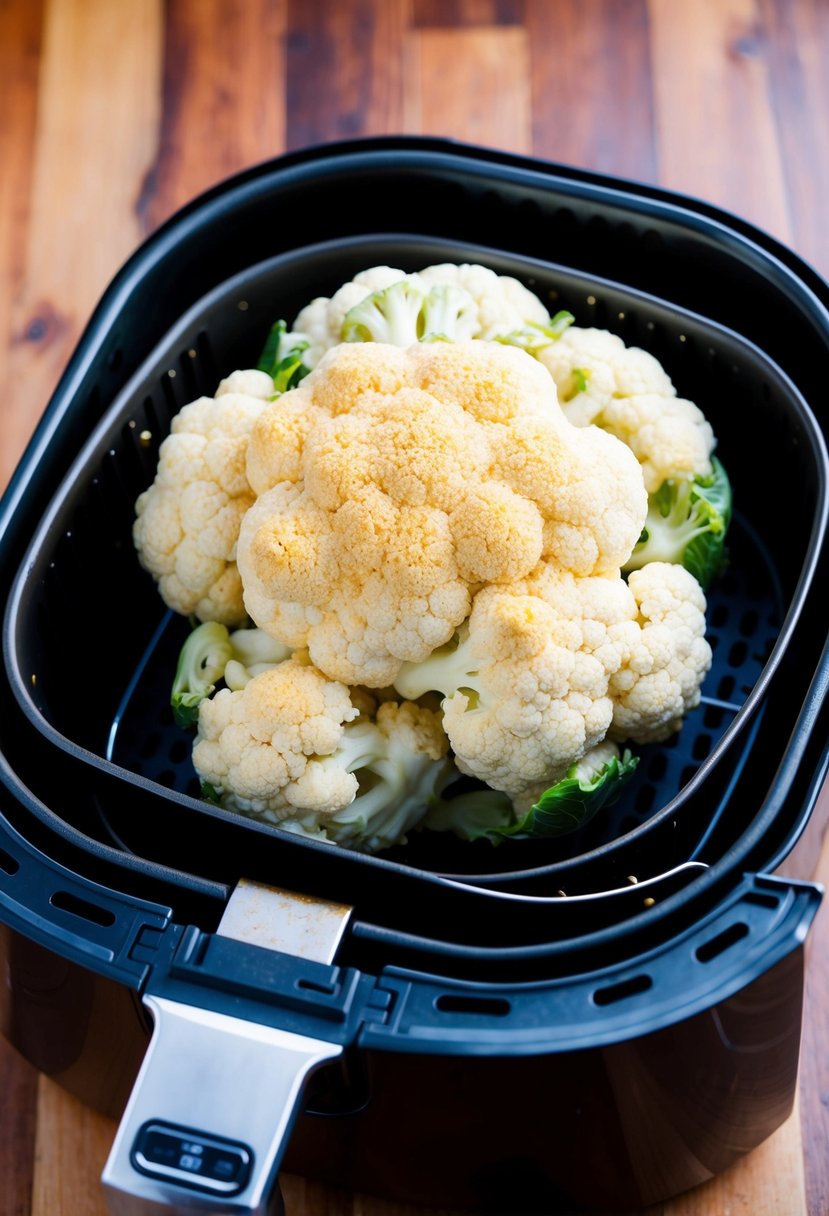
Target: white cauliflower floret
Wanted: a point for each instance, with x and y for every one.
(665, 655)
(504, 304)
(626, 391)
(249, 381)
(393, 483)
(298, 750)
(321, 321)
(669, 436)
(525, 689)
(497, 304)
(187, 522)
(547, 669)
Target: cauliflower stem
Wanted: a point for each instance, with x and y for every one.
(201, 664)
(687, 522)
(534, 336)
(212, 653)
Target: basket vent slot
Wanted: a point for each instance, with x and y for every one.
(635, 986)
(67, 902)
(722, 942)
(489, 1006)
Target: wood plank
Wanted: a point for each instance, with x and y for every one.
(343, 69)
(73, 1143)
(20, 47)
(72, 1147)
(716, 132)
(18, 1106)
(450, 14)
(469, 84)
(98, 111)
(591, 86)
(223, 100)
(797, 48)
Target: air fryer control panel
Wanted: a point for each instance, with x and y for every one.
(191, 1158)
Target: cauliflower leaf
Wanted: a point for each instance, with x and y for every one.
(590, 784)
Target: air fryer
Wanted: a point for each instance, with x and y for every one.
(605, 1019)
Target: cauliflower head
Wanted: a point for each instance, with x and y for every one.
(549, 668)
(394, 483)
(626, 391)
(312, 756)
(187, 522)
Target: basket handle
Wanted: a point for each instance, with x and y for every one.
(233, 1044)
(205, 1076)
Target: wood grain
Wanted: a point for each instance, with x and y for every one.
(469, 84)
(218, 117)
(592, 88)
(713, 71)
(116, 114)
(97, 119)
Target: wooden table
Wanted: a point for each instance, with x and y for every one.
(113, 114)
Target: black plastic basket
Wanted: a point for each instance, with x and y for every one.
(82, 548)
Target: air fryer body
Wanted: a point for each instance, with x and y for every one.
(616, 1127)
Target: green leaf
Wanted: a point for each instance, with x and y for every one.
(687, 523)
(210, 794)
(573, 801)
(285, 367)
(564, 807)
(270, 352)
(533, 337)
(705, 555)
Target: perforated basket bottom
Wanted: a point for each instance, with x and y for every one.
(743, 622)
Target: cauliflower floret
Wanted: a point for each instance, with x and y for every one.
(393, 483)
(526, 682)
(292, 747)
(626, 391)
(591, 366)
(549, 668)
(249, 381)
(665, 655)
(504, 304)
(500, 302)
(187, 522)
(669, 436)
(321, 321)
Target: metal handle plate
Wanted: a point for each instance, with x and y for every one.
(205, 1076)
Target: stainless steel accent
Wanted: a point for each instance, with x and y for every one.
(283, 920)
(687, 871)
(221, 1079)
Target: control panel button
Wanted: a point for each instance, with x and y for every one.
(192, 1158)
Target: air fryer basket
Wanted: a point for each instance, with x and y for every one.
(83, 546)
(517, 972)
